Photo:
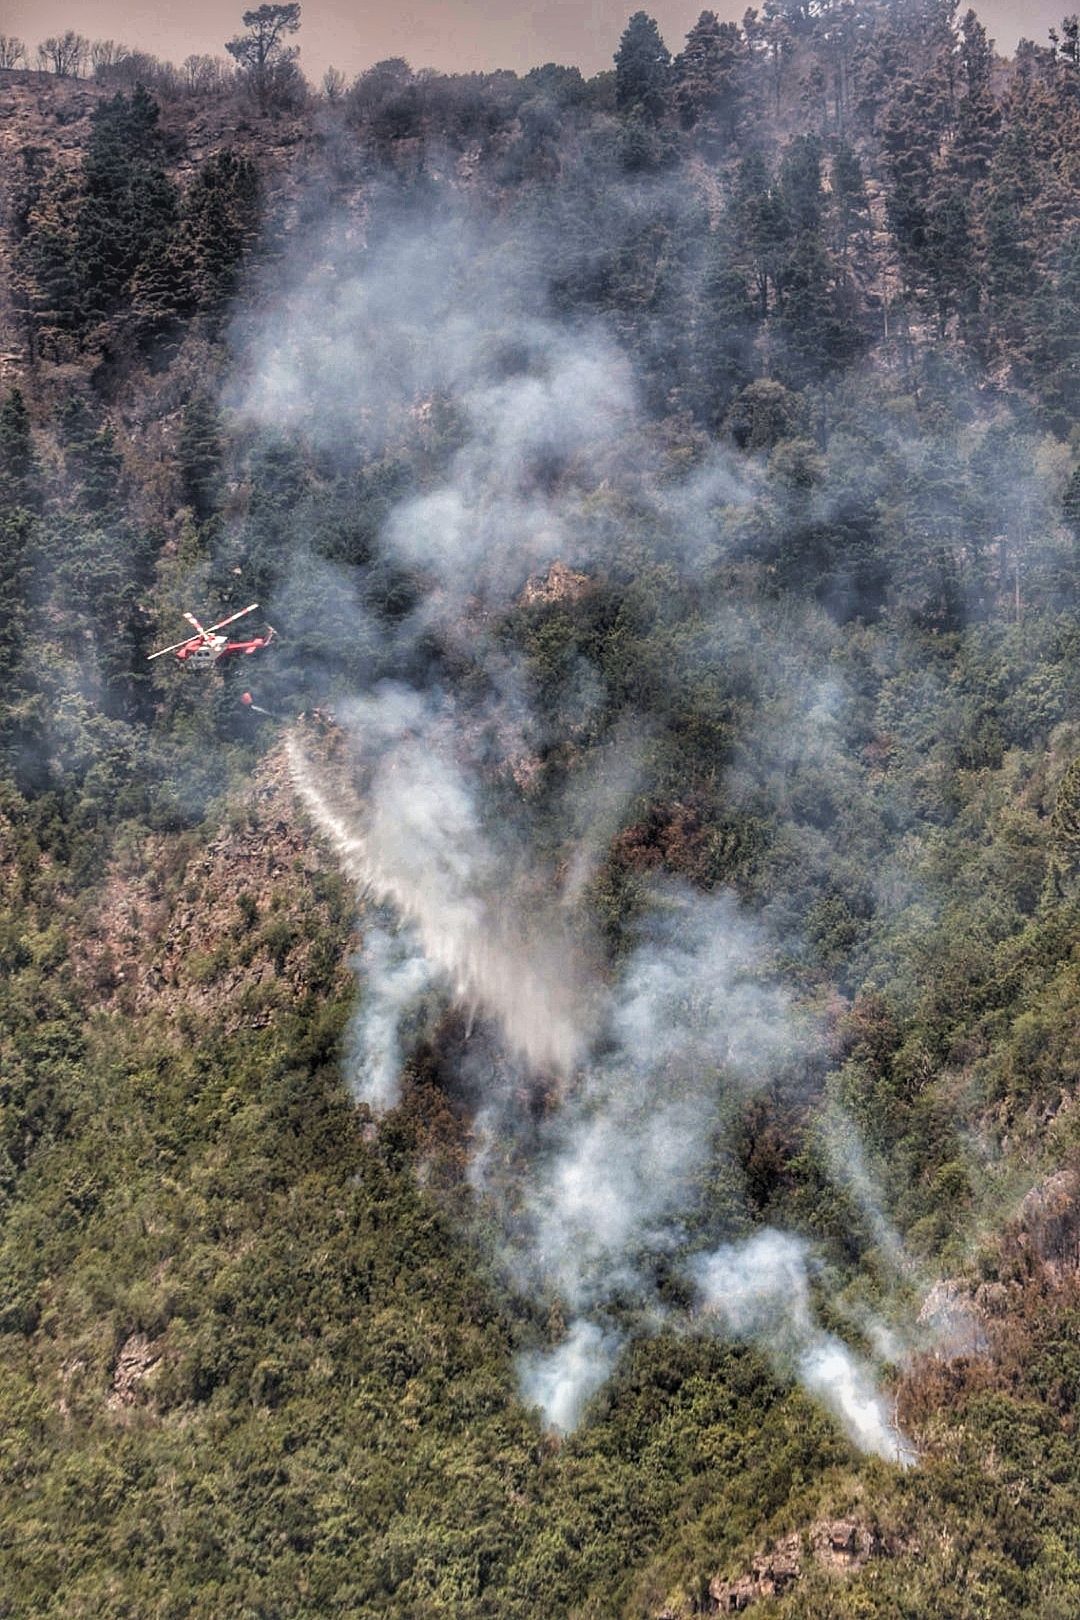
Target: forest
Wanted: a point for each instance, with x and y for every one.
(549, 1087)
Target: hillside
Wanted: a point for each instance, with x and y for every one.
(550, 1086)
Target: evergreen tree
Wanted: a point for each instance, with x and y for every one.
(91, 460)
(779, 42)
(1066, 816)
(279, 482)
(843, 44)
(1067, 48)
(819, 332)
(979, 120)
(976, 57)
(200, 456)
(706, 78)
(948, 256)
(910, 172)
(266, 64)
(800, 185)
(851, 218)
(20, 499)
(20, 478)
(128, 208)
(1055, 337)
(220, 223)
(723, 335)
(763, 226)
(642, 68)
(640, 146)
(47, 277)
(17, 526)
(1010, 277)
(218, 226)
(762, 415)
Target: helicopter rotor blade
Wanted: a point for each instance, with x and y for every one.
(204, 635)
(234, 616)
(174, 648)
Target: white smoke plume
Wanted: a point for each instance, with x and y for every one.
(619, 1164)
(615, 1173)
(759, 1290)
(549, 462)
(848, 1167)
(394, 970)
(418, 845)
(561, 1381)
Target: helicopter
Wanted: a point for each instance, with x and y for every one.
(207, 646)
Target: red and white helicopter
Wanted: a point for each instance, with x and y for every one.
(207, 646)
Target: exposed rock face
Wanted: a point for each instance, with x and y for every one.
(839, 1546)
(952, 1317)
(844, 1544)
(1041, 1245)
(137, 1359)
(559, 584)
(1048, 1224)
(771, 1574)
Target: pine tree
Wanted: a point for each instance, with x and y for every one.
(129, 206)
(20, 499)
(908, 145)
(640, 149)
(948, 258)
(219, 226)
(723, 335)
(20, 477)
(762, 415)
(706, 77)
(818, 331)
(1055, 342)
(1066, 817)
(266, 64)
(91, 460)
(47, 278)
(642, 68)
(16, 531)
(1010, 277)
(196, 272)
(851, 218)
(800, 185)
(780, 42)
(762, 224)
(200, 456)
(843, 45)
(976, 56)
(979, 120)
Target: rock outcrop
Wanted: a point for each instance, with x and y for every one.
(839, 1546)
(1047, 1226)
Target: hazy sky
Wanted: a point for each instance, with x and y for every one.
(452, 34)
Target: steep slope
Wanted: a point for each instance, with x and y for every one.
(669, 483)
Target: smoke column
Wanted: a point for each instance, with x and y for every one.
(759, 1290)
(422, 851)
(644, 1067)
(394, 970)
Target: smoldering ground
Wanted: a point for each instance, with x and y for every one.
(545, 457)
